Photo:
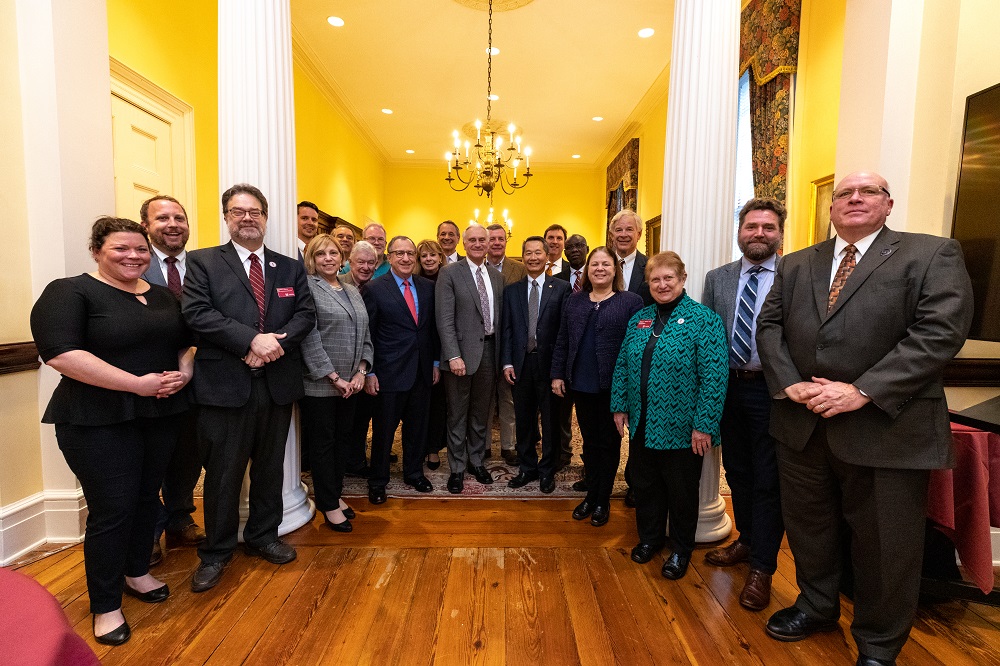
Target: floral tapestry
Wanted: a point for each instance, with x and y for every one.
(623, 179)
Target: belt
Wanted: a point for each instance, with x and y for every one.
(746, 375)
(489, 337)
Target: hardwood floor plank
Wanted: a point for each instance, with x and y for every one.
(538, 625)
(593, 642)
(421, 625)
(383, 642)
(472, 618)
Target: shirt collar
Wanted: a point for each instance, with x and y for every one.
(244, 254)
(861, 246)
(162, 256)
(630, 258)
(768, 264)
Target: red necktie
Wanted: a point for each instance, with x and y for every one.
(257, 283)
(578, 283)
(173, 276)
(410, 303)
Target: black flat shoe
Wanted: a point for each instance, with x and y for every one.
(675, 566)
(349, 513)
(583, 510)
(156, 596)
(431, 465)
(643, 552)
(600, 516)
(338, 527)
(115, 636)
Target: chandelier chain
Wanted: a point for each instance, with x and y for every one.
(489, 67)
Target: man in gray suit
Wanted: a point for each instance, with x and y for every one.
(468, 296)
(854, 337)
(165, 219)
(736, 292)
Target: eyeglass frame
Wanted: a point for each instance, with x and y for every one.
(399, 254)
(849, 192)
(254, 213)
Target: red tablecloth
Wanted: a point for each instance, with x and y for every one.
(964, 502)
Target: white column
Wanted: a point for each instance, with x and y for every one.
(257, 146)
(698, 171)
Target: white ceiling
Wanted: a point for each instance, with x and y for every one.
(561, 62)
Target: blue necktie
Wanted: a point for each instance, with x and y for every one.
(742, 331)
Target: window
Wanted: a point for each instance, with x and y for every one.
(744, 157)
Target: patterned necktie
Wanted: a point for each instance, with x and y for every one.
(484, 301)
(742, 331)
(257, 283)
(843, 272)
(532, 316)
(548, 267)
(578, 282)
(410, 303)
(173, 276)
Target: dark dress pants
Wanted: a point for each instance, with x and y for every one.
(533, 396)
(232, 437)
(752, 470)
(326, 426)
(411, 407)
(666, 484)
(885, 510)
(602, 445)
(357, 442)
(120, 467)
(437, 421)
(181, 477)
(563, 409)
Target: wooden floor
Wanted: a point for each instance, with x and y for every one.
(481, 582)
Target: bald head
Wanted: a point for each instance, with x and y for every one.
(861, 204)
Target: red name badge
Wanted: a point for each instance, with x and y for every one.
(644, 323)
(286, 292)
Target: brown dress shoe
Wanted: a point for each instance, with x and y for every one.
(756, 594)
(189, 535)
(734, 553)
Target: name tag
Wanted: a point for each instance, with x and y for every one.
(286, 292)
(644, 323)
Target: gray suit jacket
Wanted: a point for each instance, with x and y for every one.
(902, 315)
(720, 295)
(340, 340)
(153, 274)
(459, 314)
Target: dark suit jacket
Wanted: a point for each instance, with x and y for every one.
(564, 273)
(514, 340)
(902, 315)
(637, 283)
(219, 307)
(460, 320)
(404, 349)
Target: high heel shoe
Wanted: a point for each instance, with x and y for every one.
(156, 596)
(113, 637)
(338, 527)
(431, 465)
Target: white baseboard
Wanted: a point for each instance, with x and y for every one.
(54, 516)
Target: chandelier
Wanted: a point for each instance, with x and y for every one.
(508, 221)
(490, 164)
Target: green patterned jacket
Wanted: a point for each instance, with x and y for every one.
(688, 375)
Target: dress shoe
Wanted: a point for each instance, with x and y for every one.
(547, 485)
(643, 552)
(456, 483)
(207, 576)
(276, 552)
(344, 526)
(734, 553)
(482, 475)
(865, 660)
(522, 479)
(791, 624)
(393, 458)
(152, 597)
(115, 636)
(675, 566)
(156, 555)
(580, 486)
(376, 495)
(756, 594)
(583, 509)
(630, 498)
(432, 465)
(510, 457)
(600, 516)
(349, 513)
(421, 485)
(189, 535)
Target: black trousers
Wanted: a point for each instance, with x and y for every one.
(120, 468)
(602, 444)
(437, 420)
(326, 426)
(885, 512)
(563, 408)
(232, 437)
(357, 442)
(533, 396)
(666, 484)
(411, 407)
(752, 470)
(181, 477)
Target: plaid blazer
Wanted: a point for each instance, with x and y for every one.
(339, 341)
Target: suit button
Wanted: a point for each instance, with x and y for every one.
(821, 347)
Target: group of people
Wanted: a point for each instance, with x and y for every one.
(819, 373)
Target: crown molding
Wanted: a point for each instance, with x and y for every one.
(655, 95)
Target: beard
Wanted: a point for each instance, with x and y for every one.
(247, 233)
(758, 251)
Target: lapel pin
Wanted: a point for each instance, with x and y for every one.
(272, 264)
(681, 320)
(885, 252)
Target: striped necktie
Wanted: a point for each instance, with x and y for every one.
(739, 351)
(257, 283)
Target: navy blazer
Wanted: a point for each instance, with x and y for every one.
(404, 349)
(514, 341)
(637, 283)
(611, 321)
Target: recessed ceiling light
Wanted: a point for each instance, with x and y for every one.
(646, 32)
(409, 151)
(494, 98)
(387, 112)
(597, 119)
(335, 21)
(576, 157)
(493, 51)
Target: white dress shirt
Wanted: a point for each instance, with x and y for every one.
(244, 255)
(627, 268)
(489, 291)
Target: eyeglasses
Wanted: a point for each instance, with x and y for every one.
(399, 254)
(866, 192)
(240, 213)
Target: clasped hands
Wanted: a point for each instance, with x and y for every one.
(162, 384)
(264, 348)
(826, 397)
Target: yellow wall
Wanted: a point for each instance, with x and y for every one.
(813, 149)
(173, 44)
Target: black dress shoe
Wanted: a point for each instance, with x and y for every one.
(675, 567)
(600, 516)
(393, 458)
(630, 498)
(456, 483)
(421, 485)
(547, 485)
(207, 576)
(482, 475)
(432, 465)
(522, 479)
(152, 597)
(115, 636)
(349, 513)
(791, 624)
(509, 457)
(583, 510)
(276, 552)
(376, 495)
(338, 527)
(643, 552)
(865, 660)
(580, 486)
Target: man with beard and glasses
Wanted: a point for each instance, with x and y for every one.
(736, 292)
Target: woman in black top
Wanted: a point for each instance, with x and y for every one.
(124, 354)
(583, 362)
(431, 258)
